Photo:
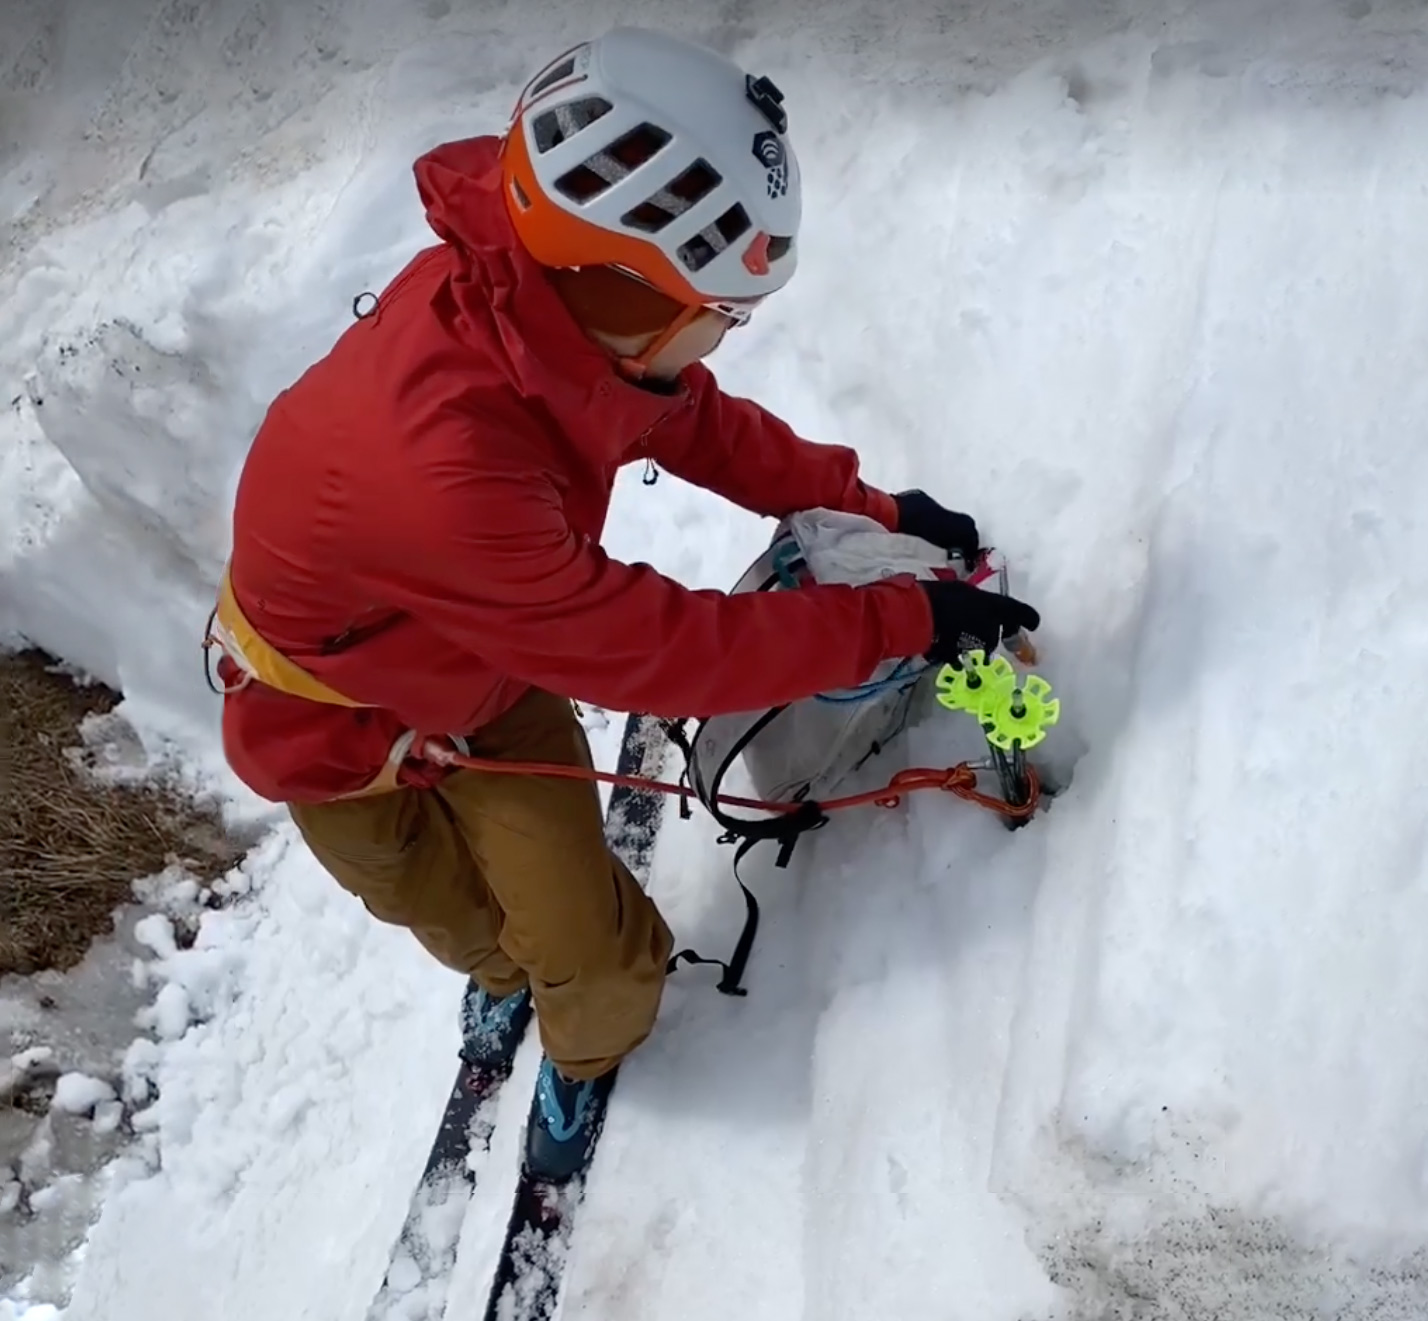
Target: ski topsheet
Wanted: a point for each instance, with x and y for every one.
(529, 1270)
(414, 1288)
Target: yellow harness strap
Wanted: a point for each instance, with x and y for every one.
(260, 660)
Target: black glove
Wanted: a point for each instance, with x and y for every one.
(966, 618)
(919, 515)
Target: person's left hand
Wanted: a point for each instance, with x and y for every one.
(919, 515)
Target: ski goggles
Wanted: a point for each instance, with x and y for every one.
(736, 311)
(736, 314)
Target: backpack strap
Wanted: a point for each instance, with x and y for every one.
(808, 817)
(731, 983)
(784, 828)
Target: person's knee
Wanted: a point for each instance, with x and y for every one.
(591, 1022)
(606, 929)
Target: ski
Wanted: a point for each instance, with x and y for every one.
(530, 1270)
(425, 1252)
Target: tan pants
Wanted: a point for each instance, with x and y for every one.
(507, 878)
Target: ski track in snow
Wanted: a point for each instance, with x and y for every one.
(1135, 286)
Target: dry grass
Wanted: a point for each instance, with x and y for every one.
(71, 847)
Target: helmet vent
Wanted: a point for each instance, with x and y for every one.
(564, 122)
(637, 147)
(714, 238)
(609, 166)
(674, 199)
(562, 71)
(582, 184)
(649, 217)
(779, 244)
(733, 222)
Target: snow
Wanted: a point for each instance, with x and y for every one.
(156, 933)
(1134, 286)
(27, 1059)
(78, 1093)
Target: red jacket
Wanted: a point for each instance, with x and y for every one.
(418, 522)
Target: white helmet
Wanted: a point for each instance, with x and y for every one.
(659, 157)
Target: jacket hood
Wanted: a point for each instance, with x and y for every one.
(460, 186)
(549, 356)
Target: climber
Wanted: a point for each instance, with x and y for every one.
(417, 542)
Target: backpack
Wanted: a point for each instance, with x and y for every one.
(802, 751)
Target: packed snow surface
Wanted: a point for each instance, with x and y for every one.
(1139, 286)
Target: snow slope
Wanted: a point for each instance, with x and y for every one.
(1136, 285)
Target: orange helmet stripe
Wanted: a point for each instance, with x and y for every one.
(555, 237)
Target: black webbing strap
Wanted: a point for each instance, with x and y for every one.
(809, 816)
(731, 983)
(785, 828)
(674, 731)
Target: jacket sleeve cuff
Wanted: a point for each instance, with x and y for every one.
(907, 617)
(881, 506)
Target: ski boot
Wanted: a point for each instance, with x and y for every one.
(565, 1119)
(491, 1029)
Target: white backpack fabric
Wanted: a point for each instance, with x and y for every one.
(803, 751)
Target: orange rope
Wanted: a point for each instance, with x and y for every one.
(960, 780)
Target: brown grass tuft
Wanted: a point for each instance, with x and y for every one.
(71, 847)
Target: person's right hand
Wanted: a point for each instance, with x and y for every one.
(966, 618)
